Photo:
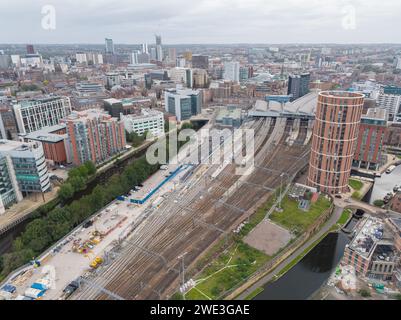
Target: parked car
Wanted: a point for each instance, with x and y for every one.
(87, 224)
(70, 289)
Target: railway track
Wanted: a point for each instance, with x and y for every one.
(148, 266)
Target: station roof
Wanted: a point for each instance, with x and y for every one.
(304, 106)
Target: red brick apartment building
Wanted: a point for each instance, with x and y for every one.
(335, 133)
(94, 135)
(372, 131)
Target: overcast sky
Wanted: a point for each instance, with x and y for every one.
(203, 21)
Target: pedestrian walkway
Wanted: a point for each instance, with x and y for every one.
(356, 204)
(21, 210)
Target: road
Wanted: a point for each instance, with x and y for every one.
(356, 204)
(326, 227)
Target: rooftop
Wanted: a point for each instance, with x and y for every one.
(44, 99)
(369, 233)
(342, 94)
(231, 112)
(182, 92)
(305, 105)
(89, 114)
(376, 113)
(12, 145)
(47, 135)
(145, 112)
(384, 252)
(112, 101)
(130, 101)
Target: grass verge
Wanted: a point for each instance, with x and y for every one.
(344, 217)
(254, 293)
(296, 220)
(355, 184)
(231, 267)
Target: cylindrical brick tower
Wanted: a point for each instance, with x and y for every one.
(335, 133)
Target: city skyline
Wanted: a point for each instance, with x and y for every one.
(200, 150)
(203, 22)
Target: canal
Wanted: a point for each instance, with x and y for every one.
(309, 274)
(7, 238)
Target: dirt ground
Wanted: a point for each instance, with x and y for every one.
(268, 237)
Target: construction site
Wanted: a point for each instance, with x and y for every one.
(151, 261)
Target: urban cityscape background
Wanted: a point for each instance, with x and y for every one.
(86, 90)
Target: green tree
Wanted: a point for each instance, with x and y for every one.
(78, 183)
(66, 191)
(83, 171)
(37, 235)
(135, 139)
(378, 203)
(52, 223)
(97, 197)
(90, 166)
(74, 172)
(12, 261)
(364, 293)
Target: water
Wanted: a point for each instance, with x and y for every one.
(8, 237)
(308, 275)
(385, 184)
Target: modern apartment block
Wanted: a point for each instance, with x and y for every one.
(8, 124)
(231, 71)
(335, 133)
(94, 135)
(200, 78)
(112, 79)
(298, 85)
(200, 61)
(183, 103)
(109, 46)
(149, 120)
(89, 58)
(29, 165)
(182, 76)
(372, 130)
(35, 114)
(389, 102)
(126, 106)
(9, 190)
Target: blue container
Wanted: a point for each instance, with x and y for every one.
(9, 288)
(38, 286)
